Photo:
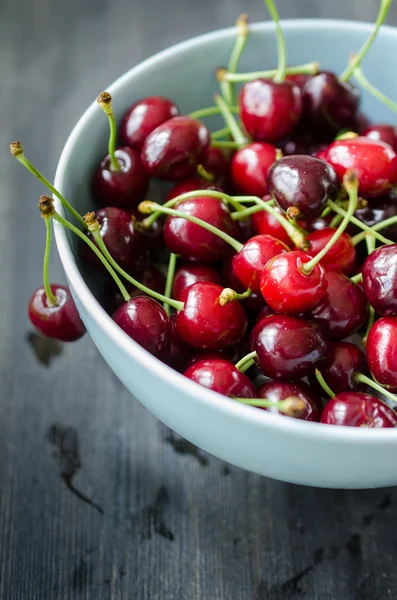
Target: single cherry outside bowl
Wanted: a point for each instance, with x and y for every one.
(272, 445)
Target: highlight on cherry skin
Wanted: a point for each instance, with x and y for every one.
(267, 272)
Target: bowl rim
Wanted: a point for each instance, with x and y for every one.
(252, 416)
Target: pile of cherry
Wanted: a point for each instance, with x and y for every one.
(277, 242)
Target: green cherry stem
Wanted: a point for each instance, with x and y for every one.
(169, 281)
(296, 235)
(210, 111)
(246, 362)
(355, 62)
(324, 384)
(311, 68)
(370, 242)
(357, 278)
(292, 406)
(105, 102)
(226, 144)
(372, 230)
(246, 212)
(360, 378)
(366, 85)
(239, 45)
(51, 298)
(17, 151)
(370, 322)
(282, 55)
(220, 133)
(204, 174)
(335, 221)
(235, 130)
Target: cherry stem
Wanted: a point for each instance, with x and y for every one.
(239, 45)
(311, 68)
(324, 384)
(282, 55)
(228, 295)
(210, 111)
(246, 212)
(372, 230)
(226, 144)
(296, 235)
(51, 297)
(346, 134)
(105, 102)
(370, 242)
(292, 406)
(357, 278)
(231, 122)
(169, 281)
(361, 378)
(204, 174)
(355, 62)
(220, 133)
(17, 151)
(327, 210)
(363, 81)
(370, 322)
(335, 221)
(246, 362)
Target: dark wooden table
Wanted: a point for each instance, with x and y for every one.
(98, 500)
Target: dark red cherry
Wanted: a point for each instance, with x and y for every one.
(355, 409)
(304, 182)
(265, 223)
(180, 353)
(174, 149)
(204, 323)
(380, 280)
(362, 123)
(343, 309)
(382, 133)
(338, 368)
(287, 288)
(329, 104)
(152, 235)
(287, 347)
(125, 188)
(378, 209)
(374, 162)
(221, 376)
(281, 390)
(269, 111)
(143, 117)
(146, 322)
(152, 277)
(254, 255)
(381, 351)
(193, 242)
(298, 78)
(61, 322)
(126, 245)
(189, 274)
(217, 163)
(255, 302)
(249, 168)
(341, 257)
(266, 311)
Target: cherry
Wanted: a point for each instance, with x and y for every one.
(343, 360)
(216, 162)
(380, 280)
(381, 351)
(321, 153)
(204, 323)
(189, 185)
(220, 376)
(254, 255)
(249, 168)
(374, 162)
(343, 309)
(189, 274)
(361, 123)
(59, 321)
(287, 288)
(269, 110)
(355, 409)
(342, 255)
(180, 351)
(153, 234)
(266, 311)
(378, 210)
(152, 277)
(298, 78)
(287, 347)
(319, 223)
(253, 303)
(382, 133)
(304, 183)
(281, 390)
(265, 223)
(193, 242)
(146, 322)
(143, 117)
(174, 149)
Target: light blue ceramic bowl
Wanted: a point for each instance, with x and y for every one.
(271, 445)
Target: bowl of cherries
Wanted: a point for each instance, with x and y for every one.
(226, 215)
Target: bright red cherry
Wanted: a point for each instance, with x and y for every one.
(143, 117)
(281, 390)
(174, 149)
(355, 409)
(193, 242)
(374, 162)
(255, 302)
(380, 280)
(265, 223)
(151, 277)
(254, 255)
(221, 376)
(204, 323)
(287, 288)
(146, 322)
(287, 347)
(381, 350)
(269, 110)
(343, 308)
(189, 185)
(249, 168)
(382, 133)
(61, 322)
(189, 274)
(341, 257)
(343, 360)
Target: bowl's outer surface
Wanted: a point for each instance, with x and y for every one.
(271, 445)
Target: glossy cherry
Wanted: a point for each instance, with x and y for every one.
(381, 351)
(151, 277)
(355, 409)
(221, 376)
(374, 162)
(281, 390)
(217, 164)
(265, 223)
(61, 322)
(341, 257)
(193, 242)
(153, 235)
(269, 111)
(174, 149)
(204, 323)
(343, 308)
(303, 182)
(378, 209)
(287, 347)
(253, 303)
(146, 322)
(382, 133)
(343, 360)
(188, 274)
(143, 117)
(380, 280)
(287, 288)
(249, 168)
